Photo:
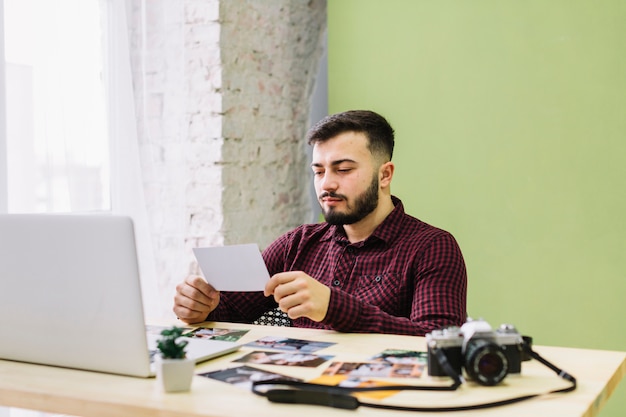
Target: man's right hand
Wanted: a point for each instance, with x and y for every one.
(195, 299)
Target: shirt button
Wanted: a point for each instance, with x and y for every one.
(378, 278)
(336, 283)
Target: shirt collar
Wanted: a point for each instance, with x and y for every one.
(388, 229)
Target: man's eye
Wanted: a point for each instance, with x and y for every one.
(344, 170)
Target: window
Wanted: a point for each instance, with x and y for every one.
(71, 142)
(57, 146)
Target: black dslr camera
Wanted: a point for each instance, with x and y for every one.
(487, 356)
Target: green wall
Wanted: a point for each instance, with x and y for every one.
(510, 121)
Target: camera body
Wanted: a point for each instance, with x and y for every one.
(487, 356)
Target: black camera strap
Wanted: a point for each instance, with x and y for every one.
(299, 392)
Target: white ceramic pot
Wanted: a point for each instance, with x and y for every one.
(175, 375)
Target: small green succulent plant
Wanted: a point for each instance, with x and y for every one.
(169, 345)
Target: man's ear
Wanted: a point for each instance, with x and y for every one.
(385, 174)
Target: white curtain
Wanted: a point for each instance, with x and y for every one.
(126, 173)
(56, 129)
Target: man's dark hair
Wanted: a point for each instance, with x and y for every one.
(379, 132)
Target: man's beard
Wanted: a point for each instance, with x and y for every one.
(364, 204)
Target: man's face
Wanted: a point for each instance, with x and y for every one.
(346, 181)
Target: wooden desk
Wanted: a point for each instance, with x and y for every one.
(84, 393)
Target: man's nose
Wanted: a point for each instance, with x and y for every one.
(329, 182)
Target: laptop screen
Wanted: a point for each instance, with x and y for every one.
(70, 292)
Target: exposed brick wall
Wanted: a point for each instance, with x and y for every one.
(223, 97)
(270, 51)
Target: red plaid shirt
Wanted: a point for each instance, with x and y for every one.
(406, 278)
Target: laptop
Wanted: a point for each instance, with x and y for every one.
(70, 295)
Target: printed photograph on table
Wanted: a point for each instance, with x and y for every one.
(288, 344)
(356, 382)
(284, 359)
(230, 335)
(380, 369)
(244, 376)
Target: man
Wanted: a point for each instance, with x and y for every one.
(369, 268)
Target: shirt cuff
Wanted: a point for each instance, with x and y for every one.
(343, 311)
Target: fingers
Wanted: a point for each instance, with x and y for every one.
(280, 279)
(194, 300)
(196, 288)
(299, 295)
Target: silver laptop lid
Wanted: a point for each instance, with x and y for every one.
(70, 292)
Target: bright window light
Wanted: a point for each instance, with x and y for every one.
(57, 139)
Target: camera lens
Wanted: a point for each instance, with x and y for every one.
(485, 362)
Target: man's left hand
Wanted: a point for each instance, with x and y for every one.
(299, 295)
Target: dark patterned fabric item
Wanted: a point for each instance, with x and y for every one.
(274, 318)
